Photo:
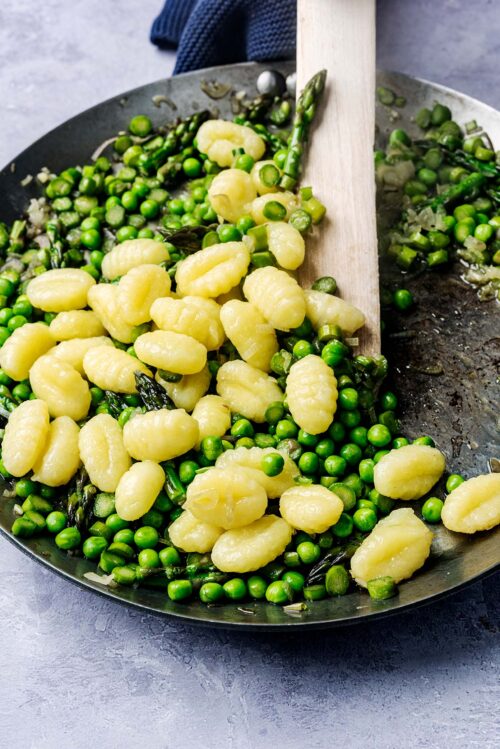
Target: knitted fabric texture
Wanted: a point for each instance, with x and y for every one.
(217, 32)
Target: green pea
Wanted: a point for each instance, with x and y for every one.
(346, 493)
(68, 538)
(334, 352)
(364, 519)
(337, 432)
(94, 546)
(148, 558)
(309, 462)
(140, 125)
(272, 464)
(335, 465)
(4, 334)
(379, 435)
(187, 471)
(325, 448)
(343, 527)
(15, 322)
(402, 299)
(150, 208)
(366, 470)
(228, 233)
(337, 581)
(257, 587)
(381, 588)
(350, 419)
(56, 521)
(399, 442)
(211, 593)
(264, 440)
(192, 167)
(244, 442)
(380, 454)
(154, 518)
(306, 439)
(295, 580)
(348, 399)
(125, 233)
(351, 453)
(291, 559)
(169, 556)
(235, 589)
(302, 348)
(286, 429)
(25, 487)
(453, 481)
(211, 447)
(279, 592)
(242, 428)
(358, 435)
(308, 552)
(424, 440)
(116, 523)
(125, 536)
(431, 509)
(244, 224)
(245, 162)
(21, 392)
(146, 537)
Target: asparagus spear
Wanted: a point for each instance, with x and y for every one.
(115, 403)
(81, 500)
(174, 487)
(151, 393)
(304, 115)
(56, 245)
(179, 136)
(463, 188)
(334, 557)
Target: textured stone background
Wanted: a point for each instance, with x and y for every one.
(76, 669)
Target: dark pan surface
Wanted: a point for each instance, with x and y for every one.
(449, 331)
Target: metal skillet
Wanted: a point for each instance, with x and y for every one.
(444, 356)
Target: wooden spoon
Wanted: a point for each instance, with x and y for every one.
(339, 35)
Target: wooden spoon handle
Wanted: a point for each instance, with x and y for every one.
(339, 35)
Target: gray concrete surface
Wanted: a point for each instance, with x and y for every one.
(77, 670)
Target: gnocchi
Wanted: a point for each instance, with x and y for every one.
(231, 194)
(408, 472)
(247, 390)
(138, 289)
(397, 547)
(174, 352)
(193, 535)
(219, 138)
(60, 290)
(253, 337)
(286, 244)
(61, 387)
(187, 392)
(193, 316)
(160, 435)
(288, 200)
(311, 391)
(256, 175)
(112, 369)
(312, 509)
(213, 271)
(102, 452)
(73, 352)
(131, 253)
(228, 498)
(277, 296)
(474, 505)
(23, 348)
(325, 309)
(249, 548)
(213, 417)
(103, 298)
(251, 460)
(137, 490)
(61, 456)
(25, 437)
(77, 323)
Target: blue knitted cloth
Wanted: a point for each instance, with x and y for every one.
(216, 32)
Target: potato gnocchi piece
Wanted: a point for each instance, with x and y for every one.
(137, 490)
(213, 417)
(23, 348)
(231, 194)
(312, 509)
(253, 337)
(103, 298)
(474, 505)
(73, 352)
(132, 253)
(190, 534)
(160, 435)
(287, 199)
(213, 271)
(174, 352)
(138, 289)
(311, 391)
(219, 138)
(112, 369)
(277, 296)
(229, 498)
(409, 472)
(187, 392)
(25, 437)
(193, 316)
(76, 323)
(102, 452)
(286, 244)
(250, 459)
(325, 309)
(397, 547)
(61, 387)
(260, 186)
(60, 459)
(250, 548)
(60, 289)
(247, 390)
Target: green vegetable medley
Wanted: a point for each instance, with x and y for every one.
(288, 480)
